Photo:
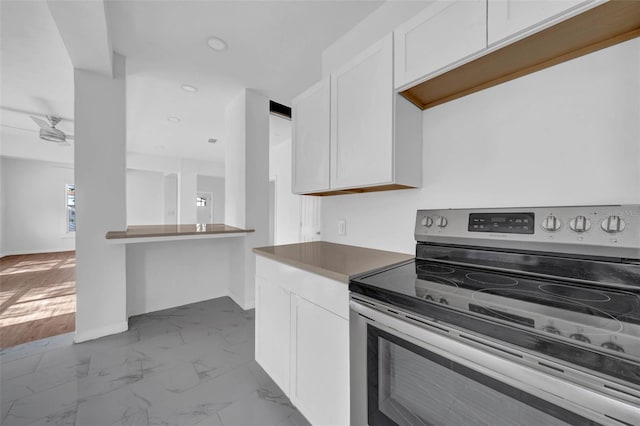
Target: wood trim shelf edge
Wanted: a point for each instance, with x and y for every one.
(603, 26)
(390, 187)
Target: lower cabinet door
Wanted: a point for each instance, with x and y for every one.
(320, 360)
(273, 331)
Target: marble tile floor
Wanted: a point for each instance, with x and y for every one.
(191, 365)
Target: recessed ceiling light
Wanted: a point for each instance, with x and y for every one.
(188, 88)
(212, 140)
(174, 119)
(217, 43)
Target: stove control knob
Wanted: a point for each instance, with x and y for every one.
(427, 221)
(612, 346)
(613, 224)
(443, 301)
(551, 223)
(580, 224)
(429, 298)
(580, 338)
(551, 329)
(441, 221)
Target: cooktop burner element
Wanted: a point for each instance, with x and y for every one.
(491, 279)
(575, 293)
(604, 324)
(508, 274)
(435, 269)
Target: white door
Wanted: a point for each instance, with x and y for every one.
(204, 207)
(320, 381)
(273, 325)
(310, 117)
(508, 17)
(310, 219)
(362, 119)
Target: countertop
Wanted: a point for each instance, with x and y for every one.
(150, 231)
(337, 261)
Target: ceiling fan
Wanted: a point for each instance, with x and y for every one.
(48, 131)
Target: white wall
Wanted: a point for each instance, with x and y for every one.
(100, 177)
(214, 185)
(568, 135)
(145, 197)
(34, 206)
(247, 183)
(160, 163)
(170, 197)
(167, 274)
(287, 217)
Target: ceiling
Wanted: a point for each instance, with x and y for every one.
(36, 78)
(273, 46)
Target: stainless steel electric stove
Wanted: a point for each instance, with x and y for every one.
(550, 295)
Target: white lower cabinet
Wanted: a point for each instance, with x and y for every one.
(273, 321)
(320, 379)
(302, 339)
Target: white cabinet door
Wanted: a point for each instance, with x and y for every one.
(320, 380)
(273, 331)
(509, 17)
(362, 119)
(444, 33)
(311, 134)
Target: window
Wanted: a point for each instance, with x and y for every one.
(201, 202)
(70, 192)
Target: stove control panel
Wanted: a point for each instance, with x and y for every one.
(509, 223)
(610, 231)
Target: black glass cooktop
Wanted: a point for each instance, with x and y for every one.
(591, 324)
(458, 286)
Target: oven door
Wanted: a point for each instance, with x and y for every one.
(405, 374)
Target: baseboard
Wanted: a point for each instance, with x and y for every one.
(96, 333)
(245, 305)
(35, 251)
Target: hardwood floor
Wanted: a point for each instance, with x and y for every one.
(37, 296)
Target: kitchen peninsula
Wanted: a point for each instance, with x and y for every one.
(174, 265)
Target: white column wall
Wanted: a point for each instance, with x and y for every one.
(247, 183)
(100, 174)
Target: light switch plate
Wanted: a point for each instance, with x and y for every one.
(342, 227)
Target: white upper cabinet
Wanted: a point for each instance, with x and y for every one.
(510, 17)
(375, 135)
(444, 33)
(311, 135)
(362, 119)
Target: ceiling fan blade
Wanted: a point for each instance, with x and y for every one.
(69, 137)
(65, 143)
(40, 122)
(18, 128)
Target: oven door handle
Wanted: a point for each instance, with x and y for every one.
(584, 401)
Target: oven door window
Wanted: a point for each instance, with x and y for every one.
(409, 385)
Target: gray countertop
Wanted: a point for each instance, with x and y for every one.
(336, 261)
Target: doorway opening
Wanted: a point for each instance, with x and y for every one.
(204, 207)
